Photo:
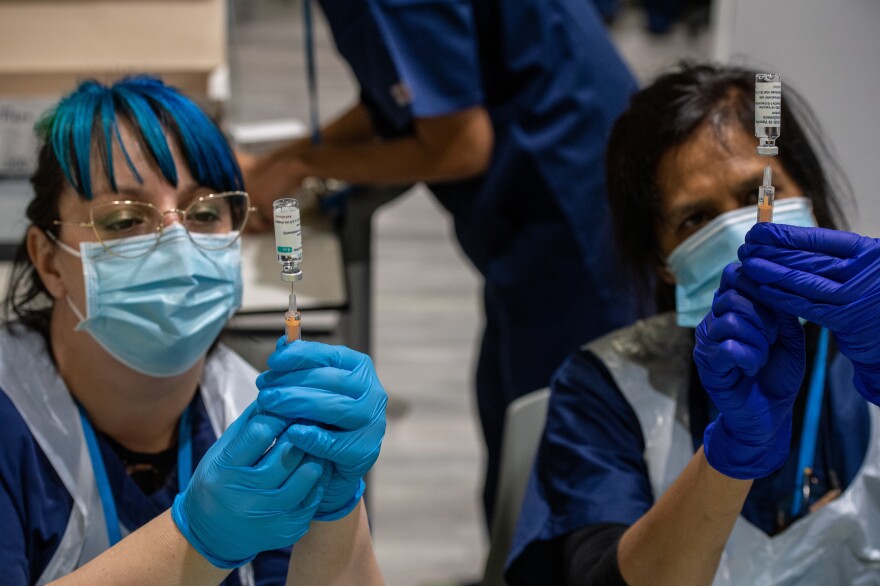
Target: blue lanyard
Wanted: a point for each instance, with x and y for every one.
(184, 468)
(811, 426)
(310, 72)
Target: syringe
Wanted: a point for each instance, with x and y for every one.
(766, 194)
(768, 125)
(288, 245)
(292, 319)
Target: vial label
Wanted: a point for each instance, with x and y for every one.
(768, 104)
(288, 233)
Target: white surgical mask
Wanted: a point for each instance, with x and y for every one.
(699, 261)
(160, 312)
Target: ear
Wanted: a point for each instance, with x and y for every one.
(42, 253)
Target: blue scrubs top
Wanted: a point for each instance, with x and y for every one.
(35, 506)
(536, 224)
(589, 469)
(546, 72)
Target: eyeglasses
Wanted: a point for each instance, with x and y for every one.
(217, 214)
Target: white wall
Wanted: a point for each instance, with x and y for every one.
(829, 50)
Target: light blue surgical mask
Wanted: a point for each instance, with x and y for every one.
(160, 312)
(698, 262)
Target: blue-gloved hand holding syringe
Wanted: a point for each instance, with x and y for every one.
(828, 277)
(250, 493)
(337, 392)
(751, 361)
(297, 454)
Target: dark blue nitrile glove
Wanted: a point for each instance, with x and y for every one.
(828, 277)
(241, 501)
(338, 406)
(751, 361)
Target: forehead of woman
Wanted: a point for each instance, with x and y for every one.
(134, 169)
(87, 128)
(714, 160)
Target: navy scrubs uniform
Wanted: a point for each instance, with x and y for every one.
(536, 224)
(590, 469)
(35, 506)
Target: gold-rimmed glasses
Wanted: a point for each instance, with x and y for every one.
(216, 214)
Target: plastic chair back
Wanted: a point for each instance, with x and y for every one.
(523, 426)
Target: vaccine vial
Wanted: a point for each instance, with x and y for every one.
(768, 112)
(288, 238)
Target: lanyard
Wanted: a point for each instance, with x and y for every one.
(810, 431)
(184, 469)
(310, 72)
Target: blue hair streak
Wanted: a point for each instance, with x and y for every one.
(88, 119)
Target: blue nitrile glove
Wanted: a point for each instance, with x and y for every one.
(338, 405)
(828, 277)
(751, 361)
(241, 502)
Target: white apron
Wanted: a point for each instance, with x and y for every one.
(839, 544)
(29, 378)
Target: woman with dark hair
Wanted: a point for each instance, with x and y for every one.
(669, 113)
(114, 390)
(693, 447)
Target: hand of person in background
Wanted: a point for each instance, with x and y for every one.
(828, 277)
(337, 404)
(243, 500)
(267, 178)
(751, 361)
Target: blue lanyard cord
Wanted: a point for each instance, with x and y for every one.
(184, 450)
(810, 431)
(311, 73)
(108, 503)
(111, 519)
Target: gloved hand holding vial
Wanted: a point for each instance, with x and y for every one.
(768, 122)
(288, 246)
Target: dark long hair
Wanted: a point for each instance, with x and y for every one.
(665, 115)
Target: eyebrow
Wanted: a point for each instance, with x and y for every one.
(674, 215)
(750, 184)
(138, 192)
(135, 192)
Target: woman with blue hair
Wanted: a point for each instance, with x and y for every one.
(114, 390)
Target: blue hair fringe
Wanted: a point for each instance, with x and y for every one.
(89, 117)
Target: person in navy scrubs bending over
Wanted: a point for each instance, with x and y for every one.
(503, 109)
